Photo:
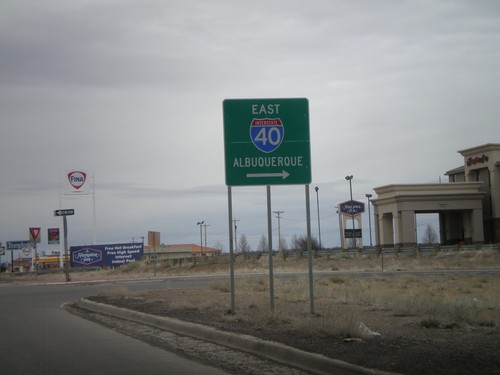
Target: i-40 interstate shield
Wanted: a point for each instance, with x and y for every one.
(267, 134)
(266, 141)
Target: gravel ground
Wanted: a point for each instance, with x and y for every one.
(231, 361)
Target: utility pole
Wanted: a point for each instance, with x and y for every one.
(200, 223)
(235, 235)
(278, 216)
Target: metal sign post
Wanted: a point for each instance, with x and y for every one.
(66, 258)
(270, 247)
(65, 213)
(351, 209)
(309, 251)
(266, 142)
(34, 234)
(231, 249)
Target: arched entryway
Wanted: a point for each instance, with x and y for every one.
(458, 204)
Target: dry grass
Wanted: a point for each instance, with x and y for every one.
(446, 302)
(120, 293)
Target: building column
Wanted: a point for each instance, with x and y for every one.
(477, 226)
(385, 230)
(495, 203)
(408, 235)
(398, 232)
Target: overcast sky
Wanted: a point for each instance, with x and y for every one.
(132, 91)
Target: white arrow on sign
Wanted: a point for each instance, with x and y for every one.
(64, 212)
(282, 174)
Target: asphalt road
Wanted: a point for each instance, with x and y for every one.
(37, 336)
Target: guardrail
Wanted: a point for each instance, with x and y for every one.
(427, 249)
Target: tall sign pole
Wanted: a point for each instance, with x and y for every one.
(231, 249)
(270, 247)
(34, 235)
(266, 143)
(66, 257)
(309, 251)
(351, 210)
(64, 213)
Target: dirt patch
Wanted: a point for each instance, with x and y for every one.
(363, 333)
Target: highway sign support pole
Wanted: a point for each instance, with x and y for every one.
(231, 248)
(270, 247)
(309, 250)
(35, 263)
(267, 143)
(64, 213)
(66, 258)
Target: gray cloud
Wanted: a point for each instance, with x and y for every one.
(133, 92)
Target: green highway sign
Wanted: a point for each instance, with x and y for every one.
(266, 142)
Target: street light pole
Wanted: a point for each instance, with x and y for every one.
(369, 218)
(319, 223)
(205, 226)
(349, 178)
(200, 223)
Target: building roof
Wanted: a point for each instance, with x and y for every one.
(478, 149)
(456, 170)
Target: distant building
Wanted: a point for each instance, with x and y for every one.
(468, 206)
(179, 251)
(22, 264)
(482, 164)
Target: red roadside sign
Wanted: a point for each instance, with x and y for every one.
(35, 235)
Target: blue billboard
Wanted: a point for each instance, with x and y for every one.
(106, 255)
(352, 208)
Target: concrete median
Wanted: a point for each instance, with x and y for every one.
(315, 363)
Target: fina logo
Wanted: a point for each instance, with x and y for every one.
(77, 179)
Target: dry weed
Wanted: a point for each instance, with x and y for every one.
(119, 293)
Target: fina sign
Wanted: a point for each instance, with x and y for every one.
(76, 182)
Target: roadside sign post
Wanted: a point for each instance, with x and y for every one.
(64, 213)
(2, 252)
(34, 234)
(351, 209)
(16, 245)
(266, 142)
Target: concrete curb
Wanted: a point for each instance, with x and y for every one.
(316, 363)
